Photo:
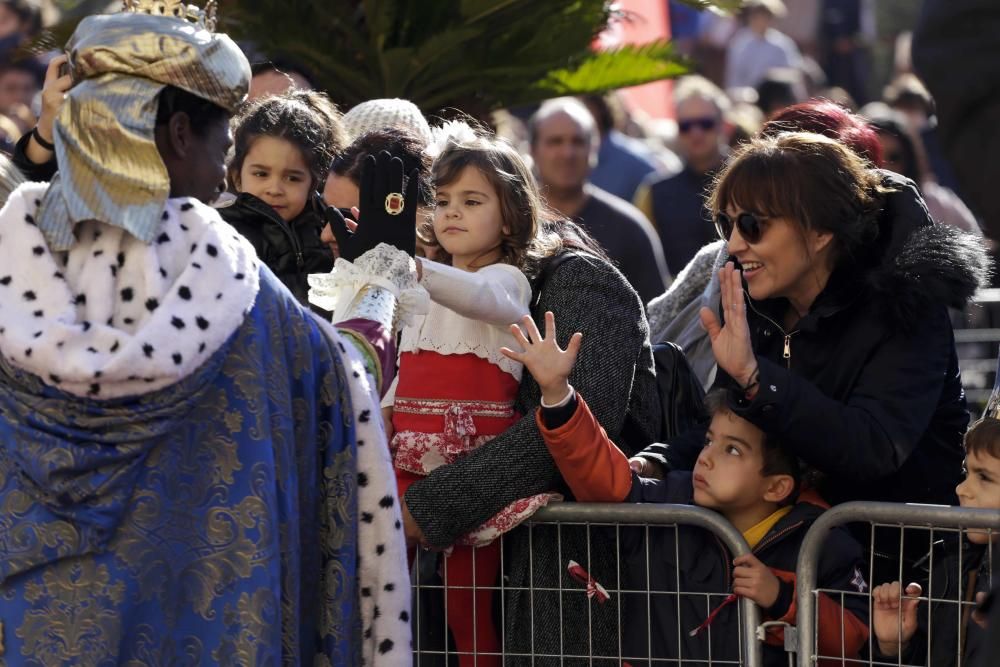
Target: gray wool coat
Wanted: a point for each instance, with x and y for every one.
(615, 374)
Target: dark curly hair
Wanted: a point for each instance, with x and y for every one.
(398, 141)
(306, 118)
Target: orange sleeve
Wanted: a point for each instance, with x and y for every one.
(832, 617)
(593, 467)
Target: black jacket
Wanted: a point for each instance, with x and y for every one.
(705, 568)
(292, 250)
(950, 577)
(37, 173)
(869, 391)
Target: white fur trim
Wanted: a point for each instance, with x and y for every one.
(114, 316)
(383, 575)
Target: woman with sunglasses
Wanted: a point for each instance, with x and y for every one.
(674, 315)
(833, 330)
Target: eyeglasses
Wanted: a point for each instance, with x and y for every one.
(706, 124)
(751, 226)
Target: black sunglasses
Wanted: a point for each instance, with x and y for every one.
(751, 226)
(706, 124)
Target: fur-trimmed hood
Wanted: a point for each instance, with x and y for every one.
(913, 266)
(939, 264)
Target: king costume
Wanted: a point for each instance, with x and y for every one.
(185, 452)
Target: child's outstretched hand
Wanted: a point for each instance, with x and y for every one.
(894, 619)
(549, 364)
(752, 579)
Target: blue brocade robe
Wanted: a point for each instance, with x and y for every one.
(209, 522)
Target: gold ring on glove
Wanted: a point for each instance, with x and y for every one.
(394, 203)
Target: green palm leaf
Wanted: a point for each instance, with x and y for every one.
(475, 55)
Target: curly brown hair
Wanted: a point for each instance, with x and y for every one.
(526, 242)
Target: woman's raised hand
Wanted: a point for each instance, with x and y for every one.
(731, 341)
(549, 364)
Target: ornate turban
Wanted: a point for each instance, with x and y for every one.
(109, 167)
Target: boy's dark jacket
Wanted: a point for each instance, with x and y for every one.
(580, 446)
(292, 250)
(950, 576)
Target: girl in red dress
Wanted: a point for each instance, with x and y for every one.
(455, 390)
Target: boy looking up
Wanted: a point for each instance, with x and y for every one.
(740, 473)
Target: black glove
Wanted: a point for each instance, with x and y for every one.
(384, 218)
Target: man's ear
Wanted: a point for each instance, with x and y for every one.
(778, 488)
(180, 134)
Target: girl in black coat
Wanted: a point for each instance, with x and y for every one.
(284, 145)
(841, 344)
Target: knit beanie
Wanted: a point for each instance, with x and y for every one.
(378, 114)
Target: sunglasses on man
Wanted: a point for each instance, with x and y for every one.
(704, 124)
(751, 226)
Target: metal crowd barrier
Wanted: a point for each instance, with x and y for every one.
(935, 530)
(611, 520)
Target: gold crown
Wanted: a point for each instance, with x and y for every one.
(204, 18)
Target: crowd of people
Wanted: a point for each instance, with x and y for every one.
(264, 363)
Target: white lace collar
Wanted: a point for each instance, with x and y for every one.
(113, 316)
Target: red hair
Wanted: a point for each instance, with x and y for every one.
(828, 118)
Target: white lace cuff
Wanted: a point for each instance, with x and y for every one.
(382, 267)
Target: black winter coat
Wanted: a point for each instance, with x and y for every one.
(705, 579)
(292, 250)
(866, 387)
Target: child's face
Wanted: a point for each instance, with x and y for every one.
(467, 219)
(275, 172)
(981, 489)
(727, 475)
